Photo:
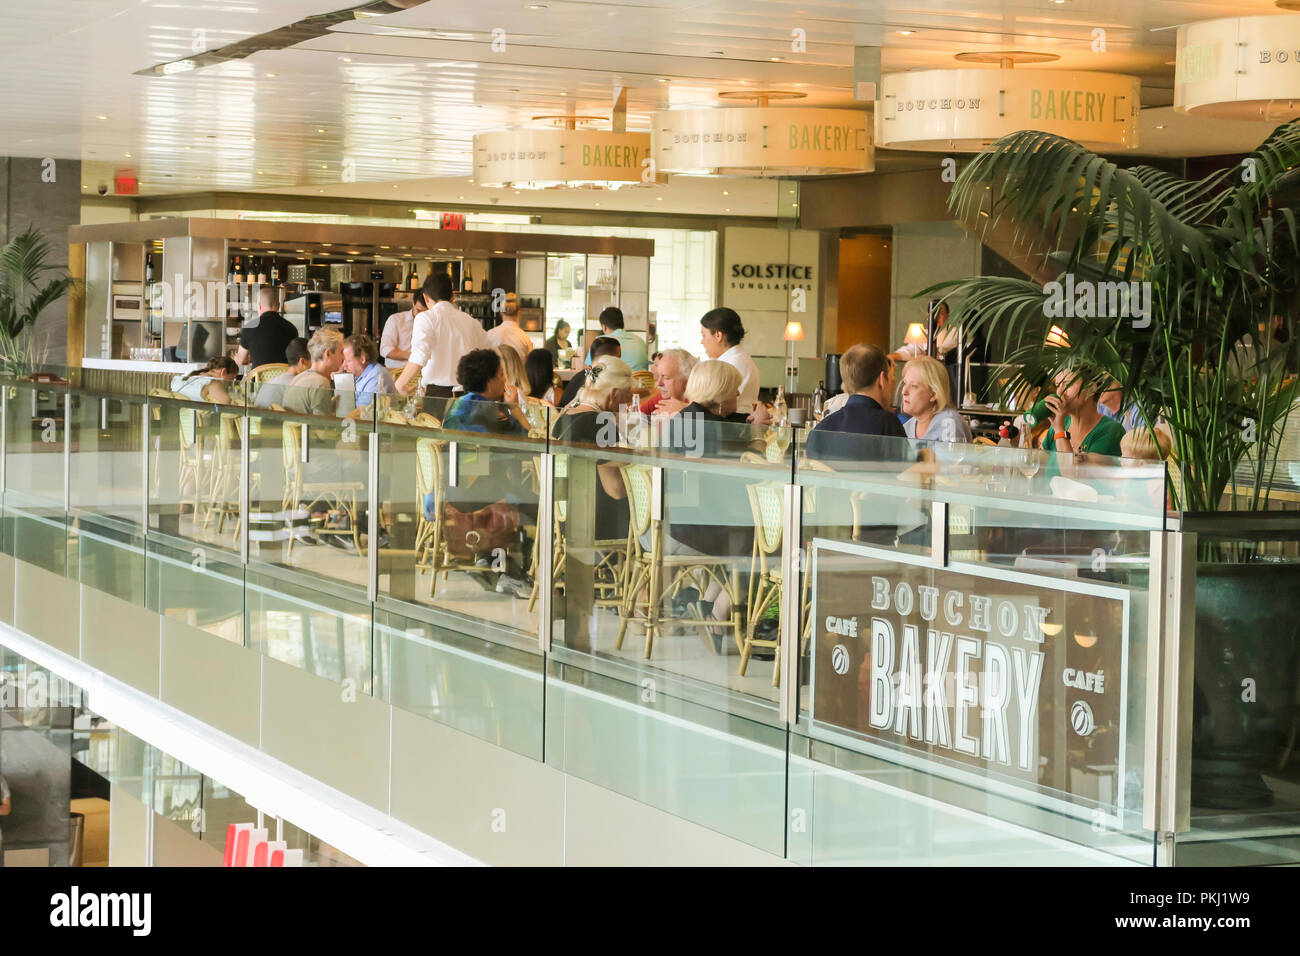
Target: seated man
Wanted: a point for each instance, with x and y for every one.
(361, 360)
(633, 350)
(603, 345)
(868, 375)
(671, 372)
(272, 392)
(312, 392)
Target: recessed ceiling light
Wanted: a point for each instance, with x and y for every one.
(460, 197)
(319, 190)
(105, 117)
(127, 155)
(346, 59)
(1159, 127)
(270, 76)
(775, 59)
(396, 119)
(324, 166)
(259, 172)
(906, 33)
(320, 129)
(189, 147)
(659, 198)
(726, 192)
(563, 93)
(661, 80)
(595, 204)
(536, 6)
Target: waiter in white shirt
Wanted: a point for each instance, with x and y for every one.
(509, 332)
(721, 333)
(395, 344)
(442, 334)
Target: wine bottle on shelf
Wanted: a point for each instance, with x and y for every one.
(148, 268)
(237, 271)
(413, 279)
(467, 282)
(261, 271)
(275, 272)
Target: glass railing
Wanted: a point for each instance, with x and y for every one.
(830, 647)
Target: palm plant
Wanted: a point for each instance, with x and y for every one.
(1221, 256)
(26, 289)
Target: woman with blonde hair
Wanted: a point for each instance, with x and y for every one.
(512, 365)
(927, 399)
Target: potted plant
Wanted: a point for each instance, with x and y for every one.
(27, 286)
(1185, 293)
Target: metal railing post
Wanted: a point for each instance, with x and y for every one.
(67, 453)
(372, 520)
(245, 486)
(544, 573)
(1171, 644)
(793, 566)
(146, 439)
(939, 545)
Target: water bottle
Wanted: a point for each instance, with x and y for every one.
(819, 400)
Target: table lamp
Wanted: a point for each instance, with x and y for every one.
(1057, 338)
(793, 334)
(915, 335)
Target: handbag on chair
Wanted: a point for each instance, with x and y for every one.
(469, 534)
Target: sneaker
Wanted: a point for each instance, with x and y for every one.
(508, 585)
(768, 629)
(485, 579)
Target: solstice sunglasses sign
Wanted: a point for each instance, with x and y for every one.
(1007, 680)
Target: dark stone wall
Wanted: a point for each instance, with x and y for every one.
(27, 198)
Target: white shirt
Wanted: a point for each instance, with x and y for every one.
(739, 359)
(397, 335)
(509, 333)
(440, 337)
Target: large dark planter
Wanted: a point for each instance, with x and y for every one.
(1247, 629)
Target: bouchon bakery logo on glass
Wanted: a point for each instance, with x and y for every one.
(1081, 718)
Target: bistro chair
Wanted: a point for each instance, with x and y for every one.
(661, 576)
(300, 494)
(431, 551)
(259, 376)
(767, 502)
(223, 492)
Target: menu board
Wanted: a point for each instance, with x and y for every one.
(1011, 681)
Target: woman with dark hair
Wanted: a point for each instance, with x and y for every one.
(207, 384)
(721, 333)
(559, 342)
(539, 368)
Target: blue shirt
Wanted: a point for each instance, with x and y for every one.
(633, 349)
(474, 413)
(374, 379)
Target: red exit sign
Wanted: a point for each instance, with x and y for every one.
(126, 185)
(453, 220)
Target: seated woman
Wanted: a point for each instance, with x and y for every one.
(592, 419)
(499, 488)
(704, 428)
(208, 384)
(1077, 426)
(927, 399)
(539, 368)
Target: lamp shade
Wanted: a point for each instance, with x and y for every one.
(915, 334)
(793, 332)
(1057, 338)
(965, 110)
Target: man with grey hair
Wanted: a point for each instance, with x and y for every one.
(312, 392)
(672, 369)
